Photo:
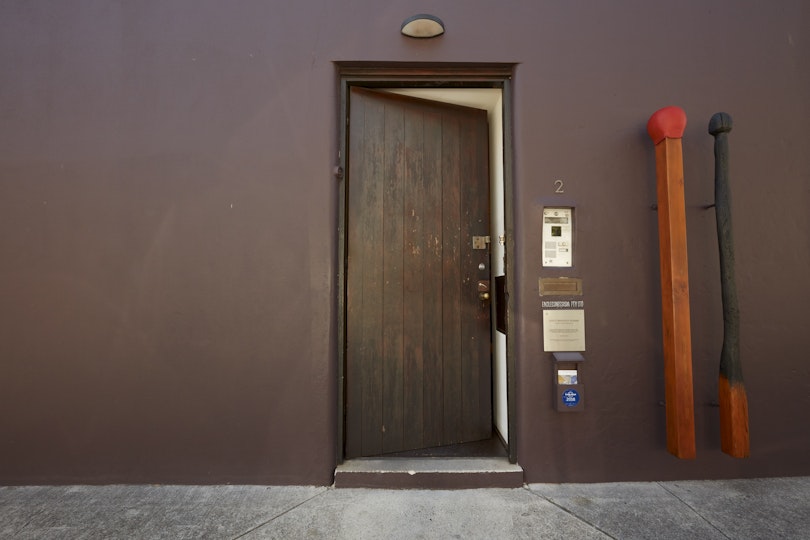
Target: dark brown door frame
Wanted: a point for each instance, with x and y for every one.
(428, 76)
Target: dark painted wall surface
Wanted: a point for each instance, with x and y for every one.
(168, 228)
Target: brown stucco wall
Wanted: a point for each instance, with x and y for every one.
(168, 220)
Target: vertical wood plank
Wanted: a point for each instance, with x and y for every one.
(451, 279)
(468, 306)
(484, 315)
(433, 337)
(393, 212)
(354, 280)
(484, 319)
(476, 352)
(413, 301)
(370, 220)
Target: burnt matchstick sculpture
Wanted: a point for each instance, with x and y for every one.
(665, 128)
(732, 396)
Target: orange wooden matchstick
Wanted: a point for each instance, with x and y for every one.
(665, 128)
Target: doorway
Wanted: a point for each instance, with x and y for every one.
(423, 237)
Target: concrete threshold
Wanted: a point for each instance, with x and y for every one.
(429, 473)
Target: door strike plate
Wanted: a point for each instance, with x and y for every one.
(480, 242)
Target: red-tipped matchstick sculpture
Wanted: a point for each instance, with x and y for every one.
(665, 128)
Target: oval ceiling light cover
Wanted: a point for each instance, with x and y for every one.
(422, 26)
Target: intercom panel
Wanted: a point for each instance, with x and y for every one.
(558, 247)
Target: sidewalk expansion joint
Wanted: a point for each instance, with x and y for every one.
(570, 513)
(690, 507)
(280, 514)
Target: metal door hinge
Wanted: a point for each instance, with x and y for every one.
(480, 242)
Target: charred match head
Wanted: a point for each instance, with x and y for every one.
(720, 123)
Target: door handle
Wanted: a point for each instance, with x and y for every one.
(483, 290)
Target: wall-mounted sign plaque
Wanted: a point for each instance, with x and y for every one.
(563, 330)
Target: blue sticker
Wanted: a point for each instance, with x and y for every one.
(570, 398)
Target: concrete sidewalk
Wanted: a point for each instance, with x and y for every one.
(738, 509)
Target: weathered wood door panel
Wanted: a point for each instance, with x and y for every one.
(418, 348)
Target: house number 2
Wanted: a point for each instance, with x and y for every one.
(559, 186)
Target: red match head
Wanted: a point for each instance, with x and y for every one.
(666, 123)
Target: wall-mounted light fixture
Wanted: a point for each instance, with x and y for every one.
(422, 26)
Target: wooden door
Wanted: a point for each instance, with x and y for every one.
(418, 344)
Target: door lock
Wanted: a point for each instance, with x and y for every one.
(483, 290)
